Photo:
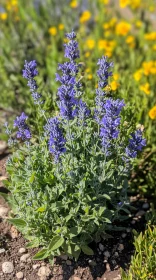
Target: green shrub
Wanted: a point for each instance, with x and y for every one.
(143, 263)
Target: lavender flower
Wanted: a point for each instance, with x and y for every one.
(68, 103)
(110, 122)
(23, 129)
(29, 73)
(103, 74)
(136, 143)
(56, 139)
(83, 112)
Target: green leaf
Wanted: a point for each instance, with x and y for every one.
(33, 244)
(55, 243)
(41, 209)
(106, 196)
(43, 254)
(87, 250)
(31, 180)
(18, 222)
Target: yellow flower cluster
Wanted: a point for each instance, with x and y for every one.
(152, 113)
(130, 40)
(3, 16)
(12, 5)
(150, 36)
(74, 4)
(90, 43)
(86, 15)
(134, 4)
(114, 84)
(53, 30)
(123, 28)
(145, 88)
(148, 68)
(107, 46)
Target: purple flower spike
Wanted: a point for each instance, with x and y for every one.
(29, 73)
(56, 139)
(136, 143)
(23, 129)
(110, 122)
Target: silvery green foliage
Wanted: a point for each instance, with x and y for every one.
(70, 186)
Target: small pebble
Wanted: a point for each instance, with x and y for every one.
(116, 254)
(7, 267)
(68, 262)
(133, 222)
(2, 250)
(64, 257)
(108, 267)
(36, 265)
(92, 263)
(24, 257)
(43, 271)
(124, 235)
(106, 254)
(22, 250)
(101, 247)
(3, 212)
(140, 213)
(19, 275)
(145, 206)
(121, 247)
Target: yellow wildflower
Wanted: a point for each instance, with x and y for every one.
(106, 25)
(134, 4)
(154, 47)
(138, 23)
(107, 33)
(137, 75)
(108, 53)
(147, 66)
(130, 40)
(87, 54)
(3, 16)
(122, 28)
(113, 21)
(86, 15)
(116, 76)
(106, 45)
(124, 3)
(53, 31)
(114, 85)
(145, 88)
(73, 4)
(90, 43)
(150, 36)
(61, 26)
(87, 70)
(106, 2)
(90, 76)
(152, 113)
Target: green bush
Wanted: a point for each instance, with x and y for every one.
(143, 263)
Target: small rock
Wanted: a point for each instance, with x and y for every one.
(121, 247)
(22, 250)
(24, 257)
(7, 267)
(68, 262)
(29, 260)
(107, 254)
(108, 267)
(3, 212)
(105, 261)
(101, 247)
(44, 271)
(116, 254)
(3, 146)
(64, 257)
(145, 206)
(117, 278)
(36, 265)
(92, 263)
(128, 229)
(124, 235)
(13, 232)
(76, 278)
(133, 222)
(19, 275)
(2, 250)
(140, 213)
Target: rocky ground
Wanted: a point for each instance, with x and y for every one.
(110, 255)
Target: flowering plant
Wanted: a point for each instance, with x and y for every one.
(69, 186)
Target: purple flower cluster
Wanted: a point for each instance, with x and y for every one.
(136, 143)
(23, 129)
(110, 121)
(56, 139)
(69, 104)
(29, 73)
(103, 74)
